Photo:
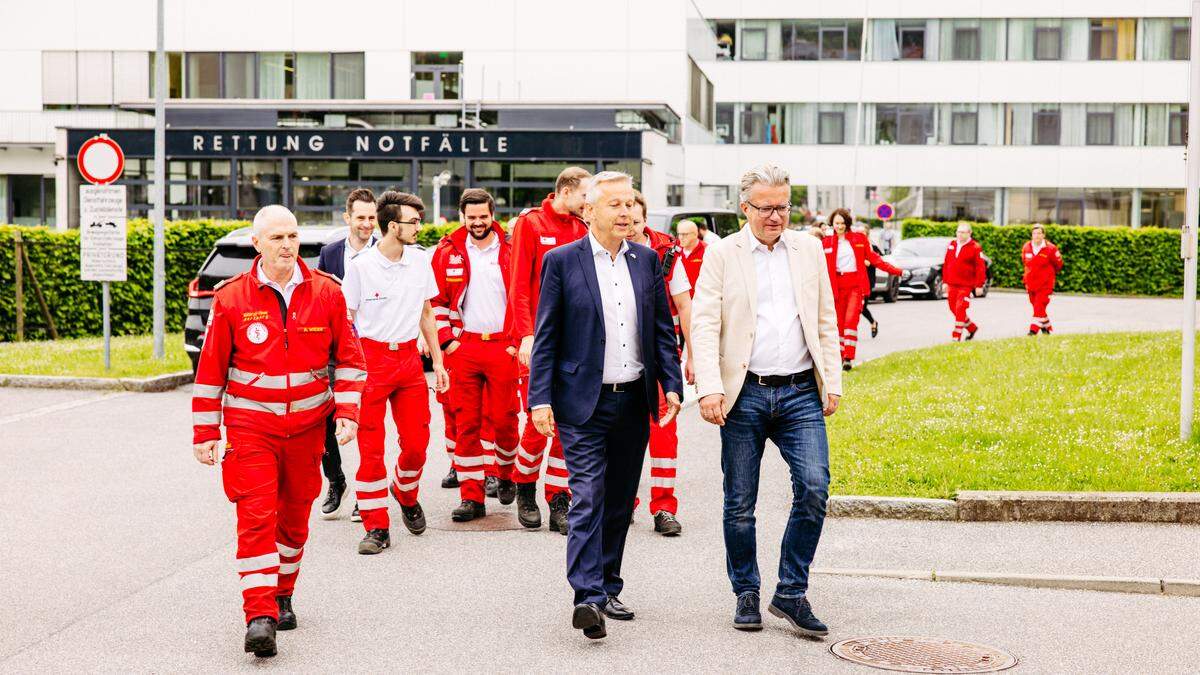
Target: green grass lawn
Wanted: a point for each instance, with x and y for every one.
(1075, 412)
(84, 357)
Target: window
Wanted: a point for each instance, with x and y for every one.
(912, 42)
(903, 125)
(1177, 126)
(726, 45)
(1047, 44)
(436, 75)
(966, 44)
(724, 128)
(801, 40)
(700, 96)
(831, 128)
(203, 75)
(259, 183)
(313, 75)
(1112, 39)
(276, 75)
(761, 123)
(964, 128)
(754, 44)
(349, 75)
(1046, 127)
(833, 42)
(239, 76)
(1180, 43)
(1100, 128)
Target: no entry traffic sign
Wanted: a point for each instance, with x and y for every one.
(884, 211)
(100, 160)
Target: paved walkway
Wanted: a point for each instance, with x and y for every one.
(118, 556)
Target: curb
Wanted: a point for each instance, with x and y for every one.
(1143, 586)
(1127, 507)
(901, 508)
(158, 383)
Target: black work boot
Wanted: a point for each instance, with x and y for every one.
(374, 542)
(413, 517)
(528, 512)
(506, 491)
(490, 485)
(332, 506)
(468, 510)
(451, 479)
(287, 617)
(559, 504)
(260, 636)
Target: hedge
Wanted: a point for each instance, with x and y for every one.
(75, 304)
(1116, 260)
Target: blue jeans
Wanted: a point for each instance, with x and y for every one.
(790, 416)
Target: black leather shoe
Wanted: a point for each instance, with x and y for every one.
(287, 617)
(332, 506)
(798, 613)
(413, 517)
(468, 510)
(355, 516)
(615, 609)
(874, 329)
(260, 636)
(746, 615)
(374, 542)
(489, 486)
(587, 617)
(1032, 332)
(559, 504)
(451, 479)
(971, 333)
(846, 365)
(506, 491)
(666, 525)
(528, 512)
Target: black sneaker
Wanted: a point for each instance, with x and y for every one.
(468, 510)
(506, 491)
(559, 504)
(332, 506)
(528, 512)
(798, 613)
(451, 479)
(374, 542)
(413, 517)
(746, 615)
(260, 636)
(874, 329)
(287, 616)
(355, 516)
(490, 484)
(666, 524)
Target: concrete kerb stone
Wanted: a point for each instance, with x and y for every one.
(903, 508)
(1139, 507)
(158, 383)
(1140, 585)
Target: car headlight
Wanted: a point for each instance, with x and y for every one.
(918, 274)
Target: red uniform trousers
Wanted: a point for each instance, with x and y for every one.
(393, 376)
(272, 481)
(959, 298)
(483, 379)
(664, 451)
(848, 299)
(532, 448)
(1040, 299)
(450, 431)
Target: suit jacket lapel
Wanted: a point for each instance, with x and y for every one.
(745, 258)
(583, 253)
(631, 261)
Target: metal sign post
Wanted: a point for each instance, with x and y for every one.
(158, 193)
(1187, 379)
(102, 224)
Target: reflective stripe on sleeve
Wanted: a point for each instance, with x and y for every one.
(208, 391)
(201, 419)
(351, 374)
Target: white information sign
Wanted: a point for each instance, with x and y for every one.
(102, 220)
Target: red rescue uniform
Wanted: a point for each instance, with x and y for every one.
(664, 440)
(535, 232)
(263, 372)
(963, 271)
(1041, 270)
(851, 288)
(691, 264)
(483, 373)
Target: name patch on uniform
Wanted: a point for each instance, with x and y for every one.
(312, 329)
(254, 316)
(454, 271)
(256, 333)
(549, 241)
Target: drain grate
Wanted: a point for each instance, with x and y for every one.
(923, 655)
(495, 520)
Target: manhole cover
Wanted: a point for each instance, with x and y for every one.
(923, 655)
(493, 521)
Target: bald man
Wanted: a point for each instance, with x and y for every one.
(693, 251)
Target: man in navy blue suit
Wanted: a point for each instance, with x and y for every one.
(603, 343)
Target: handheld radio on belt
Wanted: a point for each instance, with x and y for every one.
(669, 261)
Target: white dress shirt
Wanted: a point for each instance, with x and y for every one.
(622, 350)
(483, 302)
(348, 253)
(287, 290)
(779, 345)
(845, 257)
(388, 297)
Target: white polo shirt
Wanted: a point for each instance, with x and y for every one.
(679, 280)
(388, 296)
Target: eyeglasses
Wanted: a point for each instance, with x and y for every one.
(766, 211)
(414, 221)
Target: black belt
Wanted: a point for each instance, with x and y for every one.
(802, 377)
(621, 387)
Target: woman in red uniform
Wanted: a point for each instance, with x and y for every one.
(846, 254)
(1042, 263)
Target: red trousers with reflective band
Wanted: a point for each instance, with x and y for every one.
(664, 451)
(1040, 299)
(272, 481)
(532, 448)
(394, 376)
(483, 382)
(959, 298)
(848, 299)
(486, 435)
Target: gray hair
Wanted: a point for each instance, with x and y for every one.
(269, 214)
(764, 174)
(593, 186)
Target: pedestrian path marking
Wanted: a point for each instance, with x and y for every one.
(58, 407)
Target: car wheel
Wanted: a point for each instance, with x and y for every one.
(893, 292)
(936, 292)
(982, 291)
(195, 359)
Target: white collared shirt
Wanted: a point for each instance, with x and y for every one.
(287, 290)
(779, 346)
(387, 296)
(622, 350)
(845, 257)
(1036, 248)
(484, 301)
(679, 280)
(348, 253)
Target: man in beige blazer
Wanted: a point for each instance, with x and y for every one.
(768, 366)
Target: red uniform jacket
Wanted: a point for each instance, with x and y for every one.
(535, 231)
(265, 367)
(862, 253)
(691, 265)
(663, 244)
(966, 268)
(452, 268)
(1042, 267)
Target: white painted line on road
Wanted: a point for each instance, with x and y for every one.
(59, 407)
(1147, 586)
